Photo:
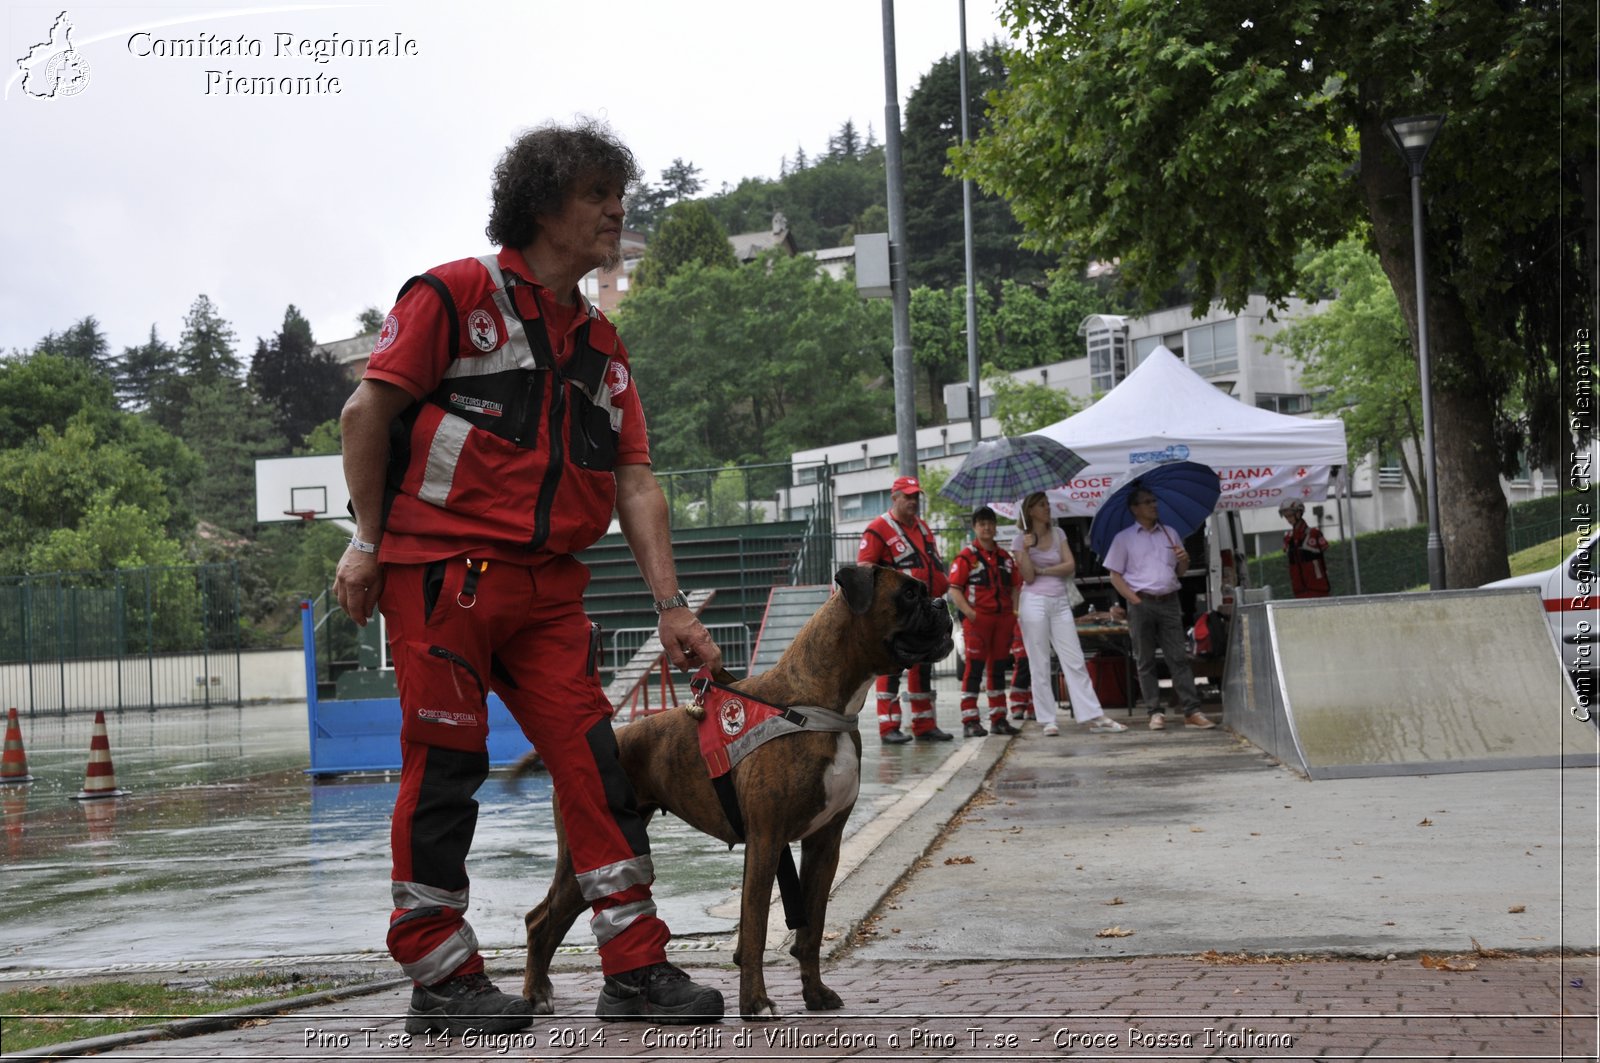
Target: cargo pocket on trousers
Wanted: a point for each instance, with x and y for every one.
(443, 698)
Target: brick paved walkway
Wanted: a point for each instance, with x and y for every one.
(1149, 1008)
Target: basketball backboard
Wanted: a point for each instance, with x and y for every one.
(289, 489)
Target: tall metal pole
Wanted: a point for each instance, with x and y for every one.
(905, 397)
(973, 414)
(1436, 574)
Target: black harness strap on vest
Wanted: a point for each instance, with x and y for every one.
(443, 292)
(794, 912)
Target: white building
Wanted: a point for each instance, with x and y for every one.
(1228, 349)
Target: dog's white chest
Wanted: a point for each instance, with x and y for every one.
(840, 783)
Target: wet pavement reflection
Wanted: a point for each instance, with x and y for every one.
(225, 849)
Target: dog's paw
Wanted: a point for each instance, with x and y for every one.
(760, 1009)
(822, 999)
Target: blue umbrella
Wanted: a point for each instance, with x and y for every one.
(1007, 468)
(1186, 493)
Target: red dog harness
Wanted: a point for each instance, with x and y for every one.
(732, 726)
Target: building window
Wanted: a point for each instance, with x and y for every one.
(1389, 472)
(880, 461)
(1213, 349)
(622, 283)
(960, 446)
(1284, 403)
(1108, 357)
(935, 451)
(857, 507)
(807, 474)
(591, 286)
(854, 465)
(1142, 349)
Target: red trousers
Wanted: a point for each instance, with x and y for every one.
(919, 693)
(987, 638)
(455, 633)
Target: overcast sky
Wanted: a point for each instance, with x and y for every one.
(151, 184)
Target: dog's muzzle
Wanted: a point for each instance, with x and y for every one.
(927, 637)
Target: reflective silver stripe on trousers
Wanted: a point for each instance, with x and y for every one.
(443, 453)
(613, 921)
(416, 895)
(452, 952)
(602, 882)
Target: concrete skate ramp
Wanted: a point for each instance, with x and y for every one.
(1404, 684)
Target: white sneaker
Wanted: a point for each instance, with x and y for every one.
(1104, 725)
(1050, 730)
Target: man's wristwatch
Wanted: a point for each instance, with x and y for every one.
(677, 601)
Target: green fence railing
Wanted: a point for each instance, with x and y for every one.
(123, 638)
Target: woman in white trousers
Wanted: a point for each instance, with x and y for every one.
(1045, 614)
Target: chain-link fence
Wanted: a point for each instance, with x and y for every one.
(126, 638)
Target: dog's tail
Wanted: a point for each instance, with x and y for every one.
(530, 763)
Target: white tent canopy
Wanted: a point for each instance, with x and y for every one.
(1164, 411)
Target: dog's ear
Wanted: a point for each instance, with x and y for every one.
(857, 583)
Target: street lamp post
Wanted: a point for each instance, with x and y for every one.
(1412, 137)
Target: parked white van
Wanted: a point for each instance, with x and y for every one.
(1572, 605)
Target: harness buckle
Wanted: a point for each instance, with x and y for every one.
(468, 596)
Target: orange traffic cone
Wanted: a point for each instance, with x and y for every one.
(100, 778)
(14, 761)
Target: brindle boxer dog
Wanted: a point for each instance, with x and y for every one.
(798, 786)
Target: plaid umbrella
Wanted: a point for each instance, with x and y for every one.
(1006, 469)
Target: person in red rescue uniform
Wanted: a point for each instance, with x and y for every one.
(1306, 549)
(984, 580)
(901, 539)
(496, 429)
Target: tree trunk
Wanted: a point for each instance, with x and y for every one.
(1472, 507)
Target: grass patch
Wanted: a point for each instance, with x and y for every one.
(1543, 555)
(51, 1015)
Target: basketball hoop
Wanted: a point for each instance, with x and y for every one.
(303, 514)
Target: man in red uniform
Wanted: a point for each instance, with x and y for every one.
(496, 429)
(1306, 549)
(902, 539)
(984, 579)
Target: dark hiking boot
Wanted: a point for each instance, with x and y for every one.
(658, 993)
(973, 730)
(1002, 726)
(468, 1002)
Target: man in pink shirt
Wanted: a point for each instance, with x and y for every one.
(1146, 561)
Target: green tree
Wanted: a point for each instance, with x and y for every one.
(303, 386)
(1357, 356)
(84, 342)
(935, 231)
(48, 391)
(229, 428)
(750, 364)
(688, 234)
(1224, 139)
(323, 439)
(145, 373)
(679, 182)
(369, 320)
(108, 535)
(52, 483)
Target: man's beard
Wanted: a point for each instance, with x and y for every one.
(610, 263)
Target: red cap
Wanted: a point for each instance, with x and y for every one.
(906, 485)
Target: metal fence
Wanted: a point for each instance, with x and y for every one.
(127, 638)
(733, 639)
